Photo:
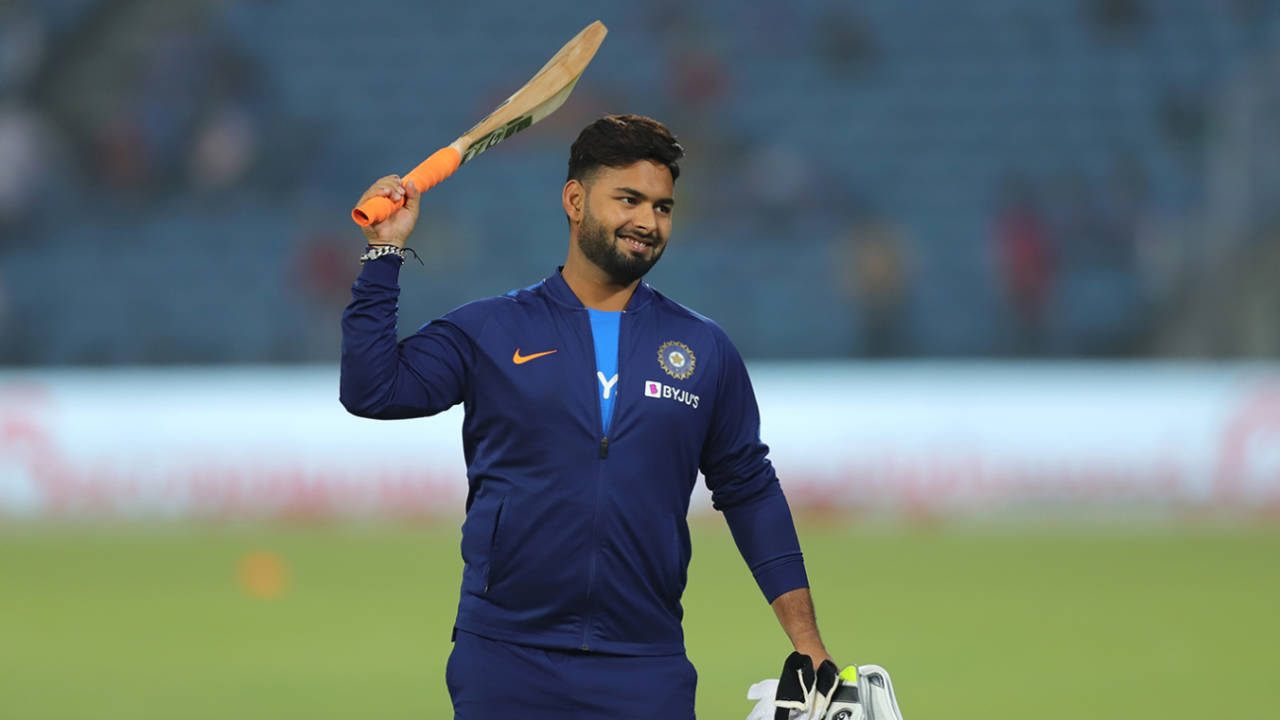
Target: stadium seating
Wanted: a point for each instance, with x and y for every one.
(921, 130)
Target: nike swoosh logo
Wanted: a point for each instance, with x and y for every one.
(522, 359)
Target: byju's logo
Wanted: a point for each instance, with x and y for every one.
(655, 389)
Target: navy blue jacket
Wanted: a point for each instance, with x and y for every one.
(572, 539)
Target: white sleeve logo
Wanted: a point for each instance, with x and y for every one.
(607, 384)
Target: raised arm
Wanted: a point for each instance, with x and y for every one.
(382, 378)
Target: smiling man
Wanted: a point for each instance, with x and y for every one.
(592, 401)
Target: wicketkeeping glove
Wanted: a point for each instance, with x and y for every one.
(864, 692)
(800, 687)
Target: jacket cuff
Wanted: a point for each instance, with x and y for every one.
(382, 271)
(781, 576)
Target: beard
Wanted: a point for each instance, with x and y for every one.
(623, 267)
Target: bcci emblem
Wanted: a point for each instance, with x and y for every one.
(677, 359)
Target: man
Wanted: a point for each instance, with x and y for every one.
(592, 401)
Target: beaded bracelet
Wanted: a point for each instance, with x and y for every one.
(376, 251)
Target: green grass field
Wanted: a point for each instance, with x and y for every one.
(982, 623)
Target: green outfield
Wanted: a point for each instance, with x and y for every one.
(981, 623)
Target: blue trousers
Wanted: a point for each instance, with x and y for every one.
(494, 680)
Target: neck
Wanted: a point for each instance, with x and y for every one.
(592, 286)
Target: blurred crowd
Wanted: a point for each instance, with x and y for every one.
(1080, 178)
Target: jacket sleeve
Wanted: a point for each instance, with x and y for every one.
(743, 483)
(425, 374)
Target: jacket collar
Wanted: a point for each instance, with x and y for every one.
(560, 291)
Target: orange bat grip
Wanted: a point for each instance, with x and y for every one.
(439, 166)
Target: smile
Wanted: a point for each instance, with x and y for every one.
(633, 243)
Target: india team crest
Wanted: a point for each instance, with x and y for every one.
(677, 359)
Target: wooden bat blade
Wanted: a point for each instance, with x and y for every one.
(545, 92)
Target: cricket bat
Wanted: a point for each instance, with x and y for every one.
(542, 95)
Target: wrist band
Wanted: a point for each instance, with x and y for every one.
(373, 252)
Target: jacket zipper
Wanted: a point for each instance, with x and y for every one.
(604, 454)
(595, 506)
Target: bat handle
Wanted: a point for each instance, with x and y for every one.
(427, 175)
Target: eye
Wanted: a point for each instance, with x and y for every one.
(664, 209)
(627, 199)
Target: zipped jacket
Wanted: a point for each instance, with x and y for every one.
(574, 538)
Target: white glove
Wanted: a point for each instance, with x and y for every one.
(865, 692)
(764, 692)
(875, 690)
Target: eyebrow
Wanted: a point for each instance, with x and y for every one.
(641, 196)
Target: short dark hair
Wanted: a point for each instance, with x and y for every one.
(619, 141)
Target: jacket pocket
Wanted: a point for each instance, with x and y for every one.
(682, 562)
(676, 572)
(490, 574)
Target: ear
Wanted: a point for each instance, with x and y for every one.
(574, 198)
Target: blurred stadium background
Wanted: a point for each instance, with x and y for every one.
(1007, 275)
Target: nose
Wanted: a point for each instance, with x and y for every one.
(645, 219)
